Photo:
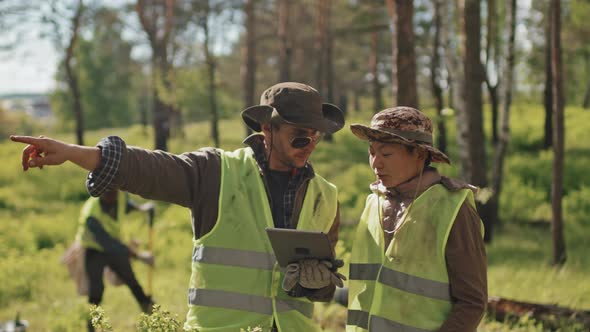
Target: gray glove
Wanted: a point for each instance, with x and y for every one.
(291, 276)
(312, 274)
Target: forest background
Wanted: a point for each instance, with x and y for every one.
(507, 84)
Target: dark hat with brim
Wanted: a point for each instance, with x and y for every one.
(296, 104)
(402, 125)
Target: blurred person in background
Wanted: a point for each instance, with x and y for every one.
(98, 249)
(418, 262)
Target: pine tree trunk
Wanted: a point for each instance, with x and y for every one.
(451, 36)
(72, 77)
(149, 14)
(492, 50)
(373, 65)
(209, 58)
(249, 63)
(504, 134)
(559, 251)
(434, 70)
(391, 8)
(284, 46)
(407, 93)
(472, 93)
(548, 94)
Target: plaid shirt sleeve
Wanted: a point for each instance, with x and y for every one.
(99, 180)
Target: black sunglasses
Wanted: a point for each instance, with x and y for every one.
(301, 142)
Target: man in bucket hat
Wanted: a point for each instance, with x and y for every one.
(418, 261)
(233, 197)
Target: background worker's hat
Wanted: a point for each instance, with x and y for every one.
(296, 104)
(403, 125)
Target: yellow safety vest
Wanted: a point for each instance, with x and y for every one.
(405, 287)
(111, 225)
(235, 281)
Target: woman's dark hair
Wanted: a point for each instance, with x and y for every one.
(412, 148)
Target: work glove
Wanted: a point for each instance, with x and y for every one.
(146, 257)
(291, 277)
(313, 274)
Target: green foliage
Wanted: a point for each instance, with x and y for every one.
(99, 319)
(106, 76)
(159, 321)
(20, 122)
(192, 95)
(576, 206)
(68, 319)
(22, 276)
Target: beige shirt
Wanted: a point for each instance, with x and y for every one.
(465, 251)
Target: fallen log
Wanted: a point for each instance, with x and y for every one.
(550, 315)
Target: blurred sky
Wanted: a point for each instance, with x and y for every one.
(29, 68)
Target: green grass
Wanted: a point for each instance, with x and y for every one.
(39, 211)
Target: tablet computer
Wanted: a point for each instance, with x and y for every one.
(292, 245)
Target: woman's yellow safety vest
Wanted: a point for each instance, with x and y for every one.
(235, 281)
(404, 287)
(111, 225)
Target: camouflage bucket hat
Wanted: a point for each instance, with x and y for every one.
(403, 125)
(297, 104)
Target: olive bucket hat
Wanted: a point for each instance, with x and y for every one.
(403, 125)
(297, 104)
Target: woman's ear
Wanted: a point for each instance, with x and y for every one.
(422, 154)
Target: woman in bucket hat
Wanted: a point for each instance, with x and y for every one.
(233, 197)
(418, 261)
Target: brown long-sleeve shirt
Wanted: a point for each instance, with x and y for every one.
(465, 251)
(192, 180)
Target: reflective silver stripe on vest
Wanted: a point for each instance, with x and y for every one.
(234, 257)
(403, 281)
(245, 302)
(303, 307)
(358, 318)
(380, 324)
(364, 271)
(416, 285)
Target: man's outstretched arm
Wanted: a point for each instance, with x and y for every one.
(42, 151)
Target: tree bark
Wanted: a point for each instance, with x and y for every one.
(284, 44)
(159, 37)
(391, 9)
(492, 51)
(71, 74)
(435, 78)
(249, 62)
(320, 44)
(373, 65)
(407, 93)
(559, 251)
(472, 93)
(211, 68)
(329, 59)
(452, 36)
(328, 86)
(548, 94)
(504, 134)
